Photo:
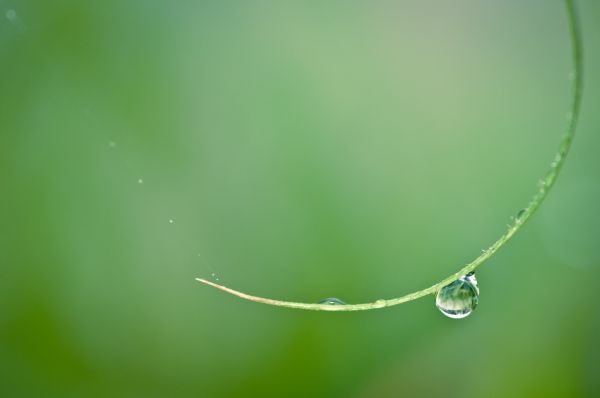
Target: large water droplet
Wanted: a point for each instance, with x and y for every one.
(332, 301)
(458, 299)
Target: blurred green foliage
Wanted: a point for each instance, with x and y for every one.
(303, 150)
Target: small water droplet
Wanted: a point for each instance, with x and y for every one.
(140, 181)
(380, 303)
(171, 221)
(332, 301)
(520, 214)
(458, 299)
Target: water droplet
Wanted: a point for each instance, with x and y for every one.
(171, 221)
(458, 299)
(140, 181)
(332, 301)
(520, 214)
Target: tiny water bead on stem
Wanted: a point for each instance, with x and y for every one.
(458, 294)
(332, 301)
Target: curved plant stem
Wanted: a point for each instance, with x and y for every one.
(545, 185)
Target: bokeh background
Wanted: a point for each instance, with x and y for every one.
(295, 150)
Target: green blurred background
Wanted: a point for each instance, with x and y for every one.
(301, 150)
